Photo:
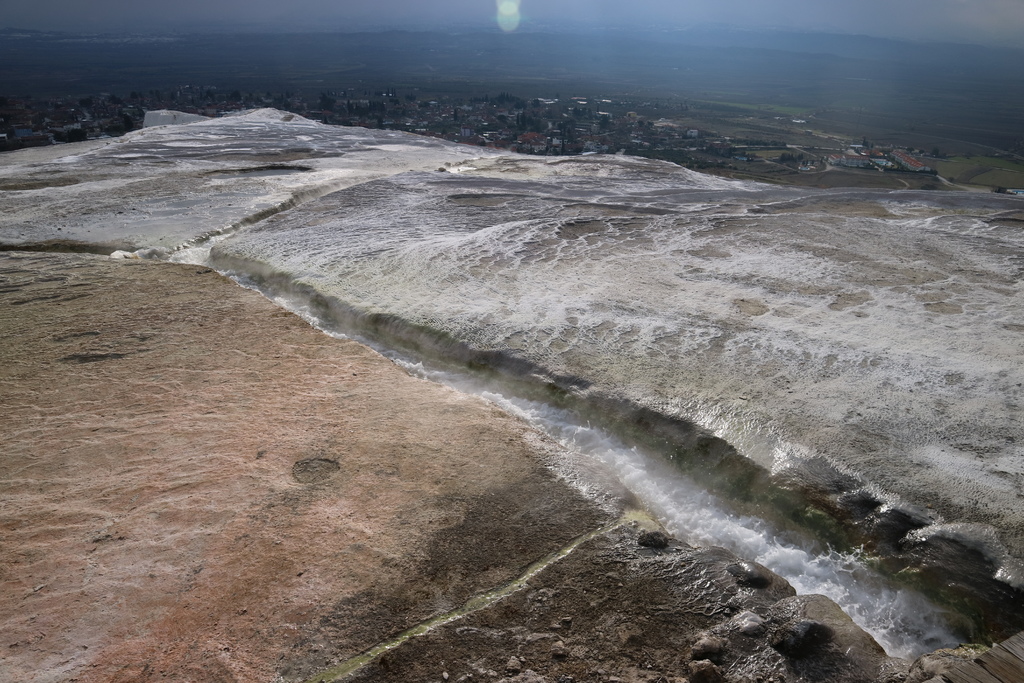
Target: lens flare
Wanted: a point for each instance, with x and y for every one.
(508, 15)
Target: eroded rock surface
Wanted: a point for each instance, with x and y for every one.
(617, 610)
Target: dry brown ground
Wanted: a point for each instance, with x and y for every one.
(154, 523)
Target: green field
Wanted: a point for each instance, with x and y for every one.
(992, 162)
(1000, 178)
(985, 171)
(760, 108)
(774, 153)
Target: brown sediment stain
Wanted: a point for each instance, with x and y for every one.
(581, 228)
(63, 246)
(15, 185)
(620, 209)
(944, 307)
(92, 357)
(709, 251)
(484, 200)
(849, 300)
(751, 307)
(854, 207)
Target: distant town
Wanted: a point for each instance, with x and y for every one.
(543, 126)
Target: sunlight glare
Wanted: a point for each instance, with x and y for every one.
(508, 15)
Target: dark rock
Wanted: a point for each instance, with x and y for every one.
(802, 639)
(709, 647)
(856, 644)
(703, 671)
(859, 504)
(653, 539)
(890, 526)
(750, 574)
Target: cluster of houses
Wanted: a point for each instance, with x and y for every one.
(33, 122)
(575, 125)
(26, 122)
(859, 157)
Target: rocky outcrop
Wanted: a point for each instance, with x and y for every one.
(618, 609)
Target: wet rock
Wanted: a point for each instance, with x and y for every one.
(751, 574)
(935, 664)
(859, 504)
(802, 639)
(704, 671)
(847, 636)
(709, 647)
(890, 525)
(653, 539)
(750, 624)
(751, 629)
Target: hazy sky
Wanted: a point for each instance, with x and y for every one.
(973, 21)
